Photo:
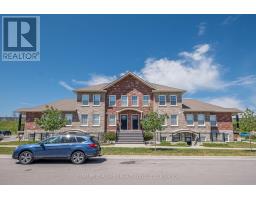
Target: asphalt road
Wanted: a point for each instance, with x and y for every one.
(132, 170)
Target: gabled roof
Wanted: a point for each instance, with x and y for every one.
(104, 86)
(62, 105)
(193, 105)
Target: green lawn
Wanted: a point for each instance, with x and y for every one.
(9, 125)
(175, 152)
(177, 144)
(161, 152)
(229, 145)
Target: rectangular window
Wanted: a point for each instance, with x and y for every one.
(69, 118)
(190, 119)
(146, 100)
(165, 120)
(201, 119)
(112, 120)
(173, 99)
(96, 119)
(124, 100)
(112, 100)
(213, 120)
(85, 99)
(162, 100)
(134, 101)
(174, 120)
(84, 120)
(96, 99)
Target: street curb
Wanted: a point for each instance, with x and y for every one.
(149, 157)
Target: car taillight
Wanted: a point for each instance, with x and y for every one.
(93, 145)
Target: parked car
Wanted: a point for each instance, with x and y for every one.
(5, 132)
(76, 148)
(1, 136)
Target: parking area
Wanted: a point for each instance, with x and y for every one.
(132, 170)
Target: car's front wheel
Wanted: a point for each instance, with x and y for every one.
(78, 157)
(26, 157)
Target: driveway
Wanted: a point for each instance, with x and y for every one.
(133, 170)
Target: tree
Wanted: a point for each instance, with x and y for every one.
(248, 122)
(153, 122)
(51, 120)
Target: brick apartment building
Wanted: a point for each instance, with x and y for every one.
(125, 101)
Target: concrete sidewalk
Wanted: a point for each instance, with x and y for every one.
(159, 147)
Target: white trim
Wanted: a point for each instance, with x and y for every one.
(108, 120)
(68, 125)
(171, 99)
(88, 99)
(126, 101)
(200, 125)
(81, 120)
(148, 100)
(193, 120)
(83, 125)
(121, 121)
(132, 101)
(109, 101)
(159, 100)
(93, 99)
(177, 120)
(93, 120)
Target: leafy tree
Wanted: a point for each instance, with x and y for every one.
(51, 120)
(248, 122)
(153, 122)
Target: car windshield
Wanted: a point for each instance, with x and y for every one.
(51, 140)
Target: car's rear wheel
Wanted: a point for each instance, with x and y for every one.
(26, 157)
(78, 157)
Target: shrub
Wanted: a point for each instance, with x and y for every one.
(148, 136)
(110, 136)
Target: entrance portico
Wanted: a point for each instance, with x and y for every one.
(129, 118)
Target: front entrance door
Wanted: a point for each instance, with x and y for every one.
(135, 122)
(124, 122)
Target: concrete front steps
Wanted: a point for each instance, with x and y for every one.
(130, 137)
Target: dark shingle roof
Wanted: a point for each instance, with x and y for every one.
(63, 105)
(193, 105)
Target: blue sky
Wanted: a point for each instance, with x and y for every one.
(211, 56)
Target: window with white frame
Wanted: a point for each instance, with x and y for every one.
(112, 100)
(173, 100)
(96, 99)
(165, 119)
(96, 119)
(112, 120)
(213, 120)
(124, 100)
(134, 100)
(69, 119)
(84, 120)
(162, 100)
(201, 119)
(174, 120)
(190, 119)
(146, 100)
(85, 99)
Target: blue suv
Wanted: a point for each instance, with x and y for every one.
(76, 148)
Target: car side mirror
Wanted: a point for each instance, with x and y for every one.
(41, 144)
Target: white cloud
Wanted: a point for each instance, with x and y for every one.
(66, 86)
(228, 102)
(98, 79)
(201, 29)
(242, 81)
(194, 71)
